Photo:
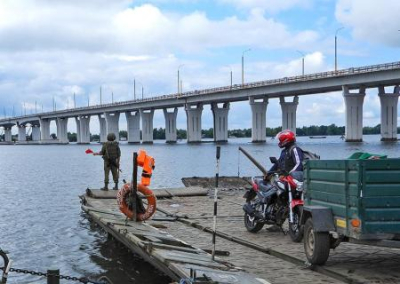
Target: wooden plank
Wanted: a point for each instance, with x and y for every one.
(159, 193)
(183, 257)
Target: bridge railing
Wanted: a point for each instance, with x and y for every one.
(264, 83)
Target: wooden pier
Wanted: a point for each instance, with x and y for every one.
(179, 238)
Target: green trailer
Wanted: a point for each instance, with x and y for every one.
(350, 201)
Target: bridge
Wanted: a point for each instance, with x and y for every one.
(353, 83)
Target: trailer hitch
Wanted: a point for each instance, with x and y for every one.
(6, 267)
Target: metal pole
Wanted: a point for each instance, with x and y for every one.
(218, 154)
(101, 99)
(35, 106)
(74, 100)
(335, 53)
(243, 68)
(142, 93)
(134, 186)
(53, 276)
(178, 82)
(231, 79)
(303, 65)
(112, 97)
(134, 89)
(336, 46)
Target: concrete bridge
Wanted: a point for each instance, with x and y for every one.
(353, 83)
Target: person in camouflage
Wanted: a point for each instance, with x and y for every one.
(111, 154)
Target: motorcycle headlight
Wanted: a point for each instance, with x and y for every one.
(281, 185)
(299, 185)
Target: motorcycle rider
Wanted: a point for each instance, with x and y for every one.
(291, 158)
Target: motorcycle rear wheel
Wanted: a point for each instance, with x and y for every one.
(251, 224)
(296, 230)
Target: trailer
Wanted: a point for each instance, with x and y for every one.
(351, 200)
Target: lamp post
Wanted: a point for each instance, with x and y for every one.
(134, 89)
(179, 82)
(247, 50)
(302, 61)
(341, 28)
(230, 74)
(142, 89)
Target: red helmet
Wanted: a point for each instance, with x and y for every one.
(285, 138)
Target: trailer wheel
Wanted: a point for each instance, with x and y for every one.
(316, 244)
(295, 228)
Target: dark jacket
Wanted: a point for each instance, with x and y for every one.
(111, 151)
(290, 160)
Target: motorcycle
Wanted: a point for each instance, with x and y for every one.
(274, 199)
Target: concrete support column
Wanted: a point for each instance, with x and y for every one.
(84, 122)
(62, 130)
(170, 125)
(112, 121)
(220, 122)
(78, 130)
(21, 133)
(258, 128)
(7, 134)
(147, 126)
(44, 129)
(193, 114)
(133, 123)
(289, 113)
(389, 113)
(354, 114)
(35, 132)
(103, 129)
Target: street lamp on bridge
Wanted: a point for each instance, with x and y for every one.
(230, 67)
(341, 28)
(247, 50)
(302, 61)
(179, 82)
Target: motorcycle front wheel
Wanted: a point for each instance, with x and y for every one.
(296, 230)
(251, 224)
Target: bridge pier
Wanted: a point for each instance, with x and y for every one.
(258, 129)
(35, 132)
(62, 130)
(44, 129)
(112, 121)
(78, 130)
(170, 125)
(7, 134)
(133, 123)
(389, 113)
(220, 122)
(84, 129)
(21, 133)
(103, 129)
(289, 110)
(354, 114)
(194, 122)
(147, 126)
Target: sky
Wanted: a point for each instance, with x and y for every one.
(53, 49)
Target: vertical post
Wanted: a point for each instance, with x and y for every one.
(178, 82)
(335, 52)
(134, 186)
(303, 65)
(142, 93)
(101, 97)
(53, 276)
(216, 202)
(74, 100)
(134, 89)
(112, 97)
(231, 79)
(243, 68)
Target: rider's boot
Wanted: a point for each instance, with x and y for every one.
(105, 186)
(116, 186)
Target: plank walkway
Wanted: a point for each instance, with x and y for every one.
(185, 223)
(174, 257)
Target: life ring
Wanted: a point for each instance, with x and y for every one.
(123, 205)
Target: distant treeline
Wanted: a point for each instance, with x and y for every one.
(313, 130)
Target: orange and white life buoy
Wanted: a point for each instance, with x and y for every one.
(123, 205)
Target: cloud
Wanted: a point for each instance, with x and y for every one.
(373, 21)
(273, 6)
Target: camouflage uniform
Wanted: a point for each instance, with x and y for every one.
(111, 154)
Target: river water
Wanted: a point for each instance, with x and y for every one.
(42, 225)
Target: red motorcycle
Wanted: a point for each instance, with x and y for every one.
(274, 199)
